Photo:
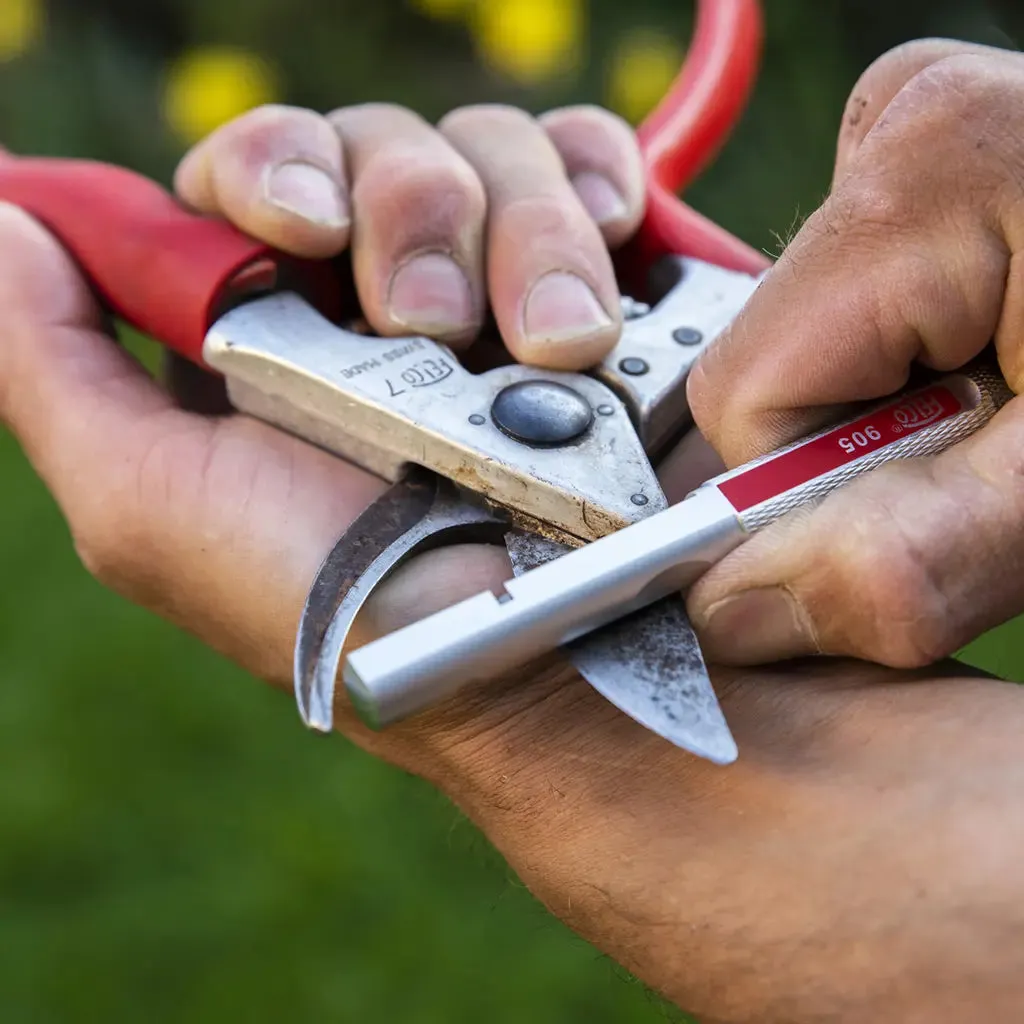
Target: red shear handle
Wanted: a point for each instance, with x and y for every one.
(165, 271)
(690, 124)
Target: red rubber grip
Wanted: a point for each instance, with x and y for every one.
(687, 128)
(167, 272)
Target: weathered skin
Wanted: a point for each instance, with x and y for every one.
(915, 256)
(862, 860)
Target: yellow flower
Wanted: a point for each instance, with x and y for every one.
(21, 24)
(643, 67)
(211, 85)
(530, 41)
(444, 10)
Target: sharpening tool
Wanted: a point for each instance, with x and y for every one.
(627, 571)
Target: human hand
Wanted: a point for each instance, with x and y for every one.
(915, 257)
(491, 207)
(832, 874)
(206, 503)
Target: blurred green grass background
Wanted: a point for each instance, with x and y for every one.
(173, 846)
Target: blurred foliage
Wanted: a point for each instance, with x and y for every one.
(173, 847)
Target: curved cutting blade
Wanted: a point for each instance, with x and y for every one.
(421, 512)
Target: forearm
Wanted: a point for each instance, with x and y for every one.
(860, 862)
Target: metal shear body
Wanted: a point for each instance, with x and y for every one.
(541, 461)
(525, 453)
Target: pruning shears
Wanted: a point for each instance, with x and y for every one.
(558, 467)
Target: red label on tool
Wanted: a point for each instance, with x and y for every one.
(845, 444)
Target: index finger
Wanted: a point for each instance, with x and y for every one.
(907, 261)
(278, 173)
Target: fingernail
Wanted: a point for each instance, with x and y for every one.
(308, 192)
(562, 306)
(602, 199)
(755, 626)
(431, 294)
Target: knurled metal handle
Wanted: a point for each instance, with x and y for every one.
(919, 423)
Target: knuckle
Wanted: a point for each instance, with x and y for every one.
(914, 52)
(904, 59)
(887, 603)
(952, 97)
(269, 133)
(880, 81)
(962, 111)
(934, 118)
(106, 542)
(271, 119)
(553, 224)
(374, 113)
(415, 185)
(272, 114)
(587, 115)
(887, 74)
(947, 88)
(472, 117)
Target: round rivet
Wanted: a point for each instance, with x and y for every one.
(633, 310)
(605, 410)
(633, 366)
(541, 413)
(477, 420)
(638, 499)
(687, 336)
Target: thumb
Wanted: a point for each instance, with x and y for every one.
(902, 567)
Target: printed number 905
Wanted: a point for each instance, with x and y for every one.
(859, 439)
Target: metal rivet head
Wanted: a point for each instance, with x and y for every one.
(477, 420)
(687, 336)
(605, 410)
(633, 310)
(541, 413)
(638, 499)
(633, 366)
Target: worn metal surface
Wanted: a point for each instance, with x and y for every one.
(528, 550)
(551, 605)
(648, 664)
(416, 514)
(386, 403)
(541, 413)
(702, 302)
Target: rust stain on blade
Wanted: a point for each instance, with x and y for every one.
(648, 664)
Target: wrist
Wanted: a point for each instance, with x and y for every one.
(856, 862)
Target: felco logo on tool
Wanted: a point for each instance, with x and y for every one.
(920, 411)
